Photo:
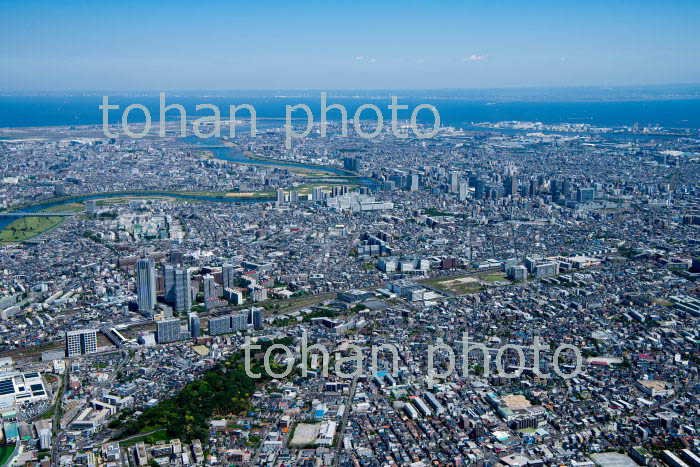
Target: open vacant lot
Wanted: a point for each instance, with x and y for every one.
(464, 284)
(455, 285)
(305, 434)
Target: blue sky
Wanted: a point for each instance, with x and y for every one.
(175, 45)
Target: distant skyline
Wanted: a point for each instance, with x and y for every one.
(130, 46)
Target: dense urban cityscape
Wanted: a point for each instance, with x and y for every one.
(350, 234)
(144, 281)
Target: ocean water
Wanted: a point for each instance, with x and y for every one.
(460, 112)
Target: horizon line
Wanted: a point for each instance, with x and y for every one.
(377, 89)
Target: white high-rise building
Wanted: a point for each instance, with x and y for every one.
(209, 287)
(463, 190)
(454, 182)
(280, 196)
(44, 438)
(259, 294)
(146, 284)
(81, 342)
(168, 330)
(234, 295)
(239, 322)
(414, 182)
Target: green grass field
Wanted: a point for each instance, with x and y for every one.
(493, 277)
(28, 227)
(68, 207)
(6, 452)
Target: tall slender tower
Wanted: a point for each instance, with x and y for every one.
(193, 324)
(146, 284)
(169, 283)
(183, 290)
(227, 276)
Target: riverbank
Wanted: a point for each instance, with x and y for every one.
(230, 151)
(18, 230)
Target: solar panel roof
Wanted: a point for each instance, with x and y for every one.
(6, 387)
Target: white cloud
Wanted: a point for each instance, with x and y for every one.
(474, 58)
(373, 60)
(360, 57)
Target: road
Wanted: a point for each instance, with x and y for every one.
(57, 419)
(137, 435)
(344, 422)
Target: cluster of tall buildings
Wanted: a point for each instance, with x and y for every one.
(283, 197)
(177, 286)
(483, 188)
(402, 179)
(228, 323)
(169, 330)
(351, 163)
